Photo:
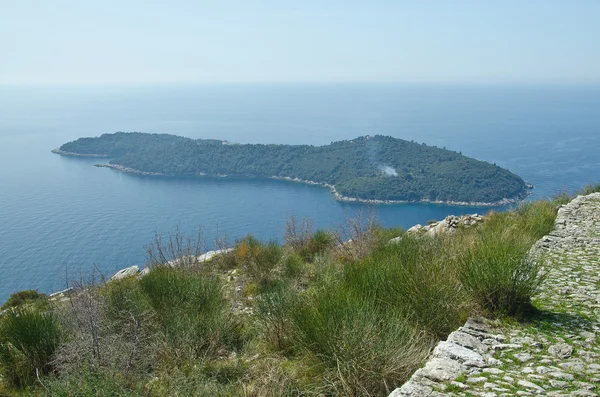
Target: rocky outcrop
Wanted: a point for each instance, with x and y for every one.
(124, 273)
(183, 261)
(447, 225)
(555, 354)
(196, 260)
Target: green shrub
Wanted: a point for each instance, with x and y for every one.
(29, 338)
(531, 221)
(190, 309)
(496, 269)
(22, 297)
(362, 352)
(417, 276)
(273, 309)
(294, 266)
(124, 301)
(259, 259)
(317, 244)
(500, 277)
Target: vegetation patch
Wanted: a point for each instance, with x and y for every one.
(343, 312)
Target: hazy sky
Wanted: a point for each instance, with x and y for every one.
(71, 41)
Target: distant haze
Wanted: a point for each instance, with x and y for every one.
(135, 41)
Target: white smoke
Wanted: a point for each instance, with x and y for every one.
(387, 170)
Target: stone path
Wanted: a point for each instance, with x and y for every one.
(558, 352)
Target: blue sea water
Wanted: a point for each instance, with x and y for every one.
(60, 216)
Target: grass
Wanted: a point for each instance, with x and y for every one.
(29, 337)
(347, 334)
(312, 317)
(190, 310)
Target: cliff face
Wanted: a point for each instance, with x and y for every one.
(556, 353)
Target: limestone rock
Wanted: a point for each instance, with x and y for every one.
(442, 369)
(124, 273)
(459, 353)
(561, 350)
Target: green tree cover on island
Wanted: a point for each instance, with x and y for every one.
(376, 167)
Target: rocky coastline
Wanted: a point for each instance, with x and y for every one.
(338, 196)
(72, 154)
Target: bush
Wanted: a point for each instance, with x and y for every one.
(29, 338)
(259, 259)
(190, 309)
(294, 266)
(317, 244)
(417, 276)
(361, 352)
(22, 297)
(496, 268)
(273, 308)
(498, 274)
(531, 221)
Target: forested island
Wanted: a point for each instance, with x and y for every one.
(370, 168)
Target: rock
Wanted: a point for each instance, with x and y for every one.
(124, 273)
(530, 385)
(558, 384)
(523, 357)
(211, 254)
(395, 240)
(561, 350)
(442, 369)
(412, 389)
(459, 353)
(561, 375)
(416, 228)
(468, 341)
(60, 294)
(145, 271)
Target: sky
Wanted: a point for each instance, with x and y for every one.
(228, 41)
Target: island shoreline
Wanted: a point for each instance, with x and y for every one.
(73, 154)
(332, 189)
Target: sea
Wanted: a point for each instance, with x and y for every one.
(62, 218)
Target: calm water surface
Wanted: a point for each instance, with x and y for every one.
(61, 215)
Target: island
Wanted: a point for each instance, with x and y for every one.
(373, 169)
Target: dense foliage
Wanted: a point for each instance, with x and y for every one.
(378, 167)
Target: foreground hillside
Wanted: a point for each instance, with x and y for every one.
(318, 316)
(366, 168)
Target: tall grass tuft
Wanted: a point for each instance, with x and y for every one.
(190, 309)
(589, 189)
(29, 337)
(415, 275)
(273, 308)
(258, 259)
(499, 275)
(361, 352)
(496, 268)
